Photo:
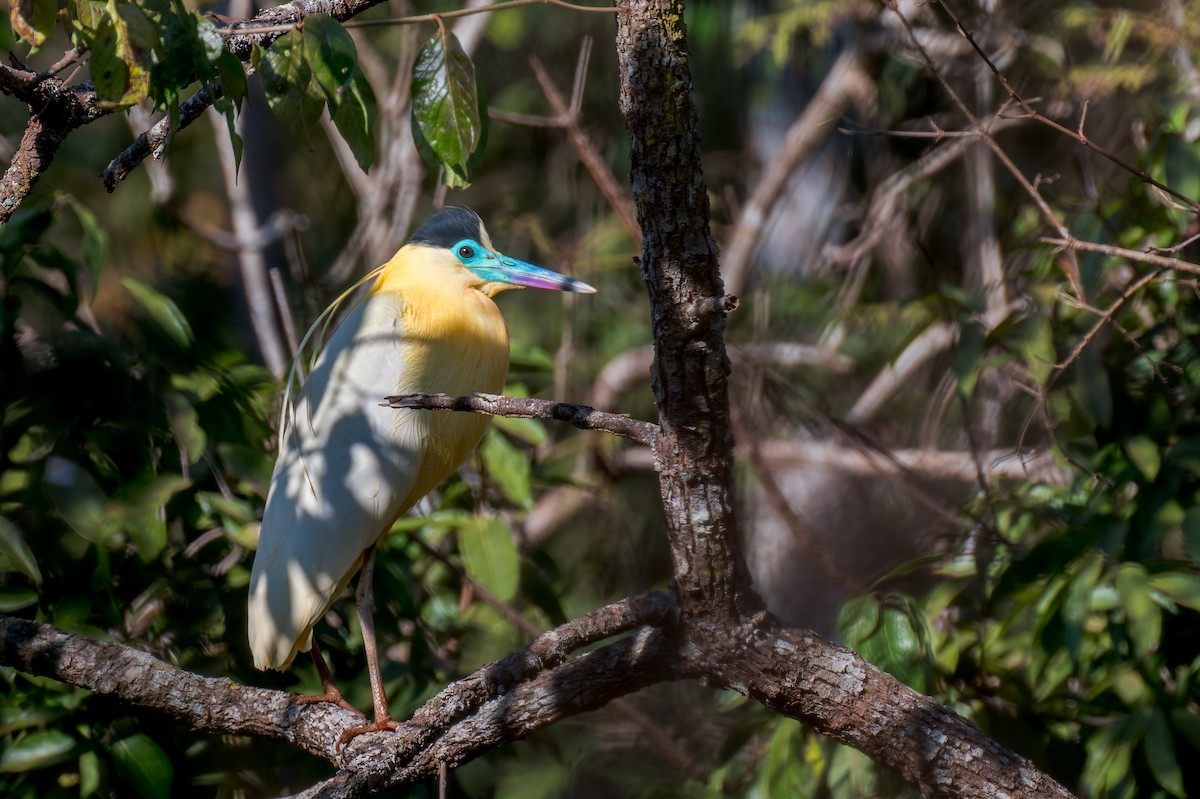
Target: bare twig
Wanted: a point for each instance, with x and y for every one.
(845, 80)
(615, 195)
(932, 341)
(251, 262)
(1159, 261)
(581, 416)
(1077, 134)
(1071, 267)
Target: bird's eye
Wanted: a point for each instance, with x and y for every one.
(466, 252)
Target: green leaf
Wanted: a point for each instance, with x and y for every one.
(447, 125)
(32, 20)
(36, 750)
(233, 77)
(354, 114)
(332, 55)
(141, 513)
(968, 355)
(110, 72)
(13, 547)
(185, 424)
(95, 240)
(212, 44)
(7, 40)
(120, 56)
(17, 719)
(1145, 456)
(288, 81)
(1181, 587)
(226, 107)
(508, 467)
(858, 619)
(490, 556)
(1143, 618)
(79, 500)
(16, 598)
(1159, 746)
(162, 310)
(89, 774)
(531, 431)
(144, 764)
(182, 55)
(1188, 725)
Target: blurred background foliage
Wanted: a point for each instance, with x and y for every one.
(979, 478)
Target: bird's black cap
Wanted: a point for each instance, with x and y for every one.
(448, 227)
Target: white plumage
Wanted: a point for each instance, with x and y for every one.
(348, 467)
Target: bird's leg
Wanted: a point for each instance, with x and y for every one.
(365, 603)
(331, 692)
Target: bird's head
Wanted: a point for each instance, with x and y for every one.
(460, 232)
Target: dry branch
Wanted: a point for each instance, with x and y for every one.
(581, 416)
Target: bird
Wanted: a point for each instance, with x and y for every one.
(347, 466)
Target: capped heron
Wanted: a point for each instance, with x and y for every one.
(348, 467)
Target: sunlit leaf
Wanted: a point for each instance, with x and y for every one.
(89, 774)
(447, 124)
(185, 424)
(1182, 587)
(140, 510)
(508, 467)
(288, 81)
(119, 59)
(490, 556)
(36, 750)
(332, 55)
(1145, 455)
(1143, 618)
(32, 20)
(14, 547)
(16, 719)
(163, 310)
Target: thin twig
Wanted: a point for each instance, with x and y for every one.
(582, 416)
(1123, 252)
(614, 194)
(1078, 134)
(811, 129)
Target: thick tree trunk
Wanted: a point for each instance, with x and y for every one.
(726, 639)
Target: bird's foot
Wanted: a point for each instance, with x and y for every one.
(378, 725)
(333, 697)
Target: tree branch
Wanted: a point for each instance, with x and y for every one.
(582, 416)
(509, 699)
(55, 109)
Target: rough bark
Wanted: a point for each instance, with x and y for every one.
(728, 642)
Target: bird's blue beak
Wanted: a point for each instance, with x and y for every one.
(502, 269)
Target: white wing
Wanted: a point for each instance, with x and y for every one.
(345, 465)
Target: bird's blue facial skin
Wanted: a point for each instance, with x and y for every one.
(496, 268)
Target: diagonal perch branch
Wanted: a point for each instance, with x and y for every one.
(531, 688)
(584, 417)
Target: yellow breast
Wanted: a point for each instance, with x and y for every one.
(456, 343)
